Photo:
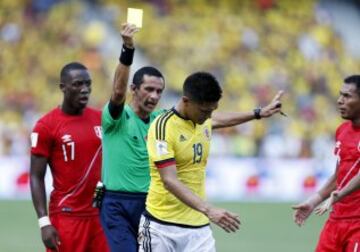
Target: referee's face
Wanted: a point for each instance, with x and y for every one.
(148, 94)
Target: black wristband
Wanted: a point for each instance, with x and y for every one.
(257, 113)
(126, 56)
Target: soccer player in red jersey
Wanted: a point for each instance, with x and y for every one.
(342, 230)
(68, 139)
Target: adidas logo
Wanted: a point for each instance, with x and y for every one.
(182, 138)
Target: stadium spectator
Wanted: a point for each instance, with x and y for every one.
(341, 231)
(68, 139)
(177, 215)
(125, 171)
(261, 55)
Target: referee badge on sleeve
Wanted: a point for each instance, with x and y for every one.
(161, 147)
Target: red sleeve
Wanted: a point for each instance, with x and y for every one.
(165, 163)
(338, 131)
(41, 140)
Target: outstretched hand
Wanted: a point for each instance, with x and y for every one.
(302, 212)
(127, 34)
(273, 107)
(228, 221)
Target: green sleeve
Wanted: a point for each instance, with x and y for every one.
(107, 122)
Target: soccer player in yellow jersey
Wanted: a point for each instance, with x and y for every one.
(177, 216)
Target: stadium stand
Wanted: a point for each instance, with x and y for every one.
(254, 47)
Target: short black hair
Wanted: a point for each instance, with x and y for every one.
(202, 87)
(353, 79)
(69, 67)
(138, 78)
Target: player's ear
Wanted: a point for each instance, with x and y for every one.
(185, 99)
(133, 87)
(62, 87)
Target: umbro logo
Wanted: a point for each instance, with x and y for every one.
(66, 138)
(182, 138)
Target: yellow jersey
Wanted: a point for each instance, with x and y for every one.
(175, 140)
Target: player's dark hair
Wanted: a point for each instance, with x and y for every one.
(138, 78)
(69, 67)
(353, 79)
(202, 87)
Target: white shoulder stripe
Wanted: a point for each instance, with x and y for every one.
(34, 139)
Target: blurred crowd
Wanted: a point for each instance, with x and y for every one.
(36, 39)
(254, 47)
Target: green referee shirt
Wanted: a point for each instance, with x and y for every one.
(125, 164)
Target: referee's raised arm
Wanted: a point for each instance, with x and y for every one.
(121, 77)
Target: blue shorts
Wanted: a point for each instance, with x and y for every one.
(120, 216)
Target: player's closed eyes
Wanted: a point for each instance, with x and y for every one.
(80, 83)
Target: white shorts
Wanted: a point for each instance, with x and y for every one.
(156, 237)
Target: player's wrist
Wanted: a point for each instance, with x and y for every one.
(129, 45)
(257, 113)
(44, 221)
(205, 209)
(338, 195)
(127, 55)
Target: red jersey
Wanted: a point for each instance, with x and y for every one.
(347, 150)
(72, 145)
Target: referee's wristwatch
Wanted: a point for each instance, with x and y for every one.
(257, 112)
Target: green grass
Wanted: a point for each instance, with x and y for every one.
(18, 227)
(265, 227)
(268, 227)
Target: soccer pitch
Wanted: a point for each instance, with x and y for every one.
(265, 227)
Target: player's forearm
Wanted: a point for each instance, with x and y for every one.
(328, 187)
(315, 199)
(185, 195)
(38, 195)
(352, 186)
(37, 184)
(228, 119)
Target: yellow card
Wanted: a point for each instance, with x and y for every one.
(134, 16)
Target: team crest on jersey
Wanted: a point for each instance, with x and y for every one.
(161, 148)
(207, 133)
(98, 131)
(66, 138)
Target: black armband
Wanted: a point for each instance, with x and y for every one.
(257, 113)
(126, 56)
(115, 110)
